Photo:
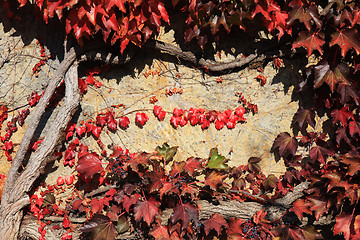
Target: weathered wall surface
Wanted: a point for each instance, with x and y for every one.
(130, 87)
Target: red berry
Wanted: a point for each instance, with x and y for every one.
(60, 181)
(124, 122)
(141, 118)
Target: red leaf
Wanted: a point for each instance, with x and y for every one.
(124, 122)
(192, 164)
(101, 228)
(129, 201)
(88, 165)
(342, 115)
(146, 210)
(111, 122)
(346, 39)
(215, 222)
(96, 205)
(163, 12)
(186, 213)
(353, 161)
(214, 179)
(342, 225)
(285, 144)
(323, 73)
(310, 41)
(354, 128)
(160, 233)
(300, 207)
(80, 131)
(319, 206)
(319, 153)
(141, 118)
(303, 117)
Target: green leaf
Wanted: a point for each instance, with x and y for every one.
(216, 161)
(122, 225)
(166, 151)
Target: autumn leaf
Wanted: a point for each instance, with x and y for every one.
(285, 144)
(101, 228)
(146, 210)
(193, 164)
(319, 206)
(346, 39)
(354, 128)
(319, 153)
(303, 117)
(325, 74)
(160, 233)
(300, 207)
(88, 165)
(342, 225)
(185, 213)
(166, 151)
(270, 182)
(216, 161)
(310, 41)
(353, 163)
(214, 179)
(216, 222)
(342, 115)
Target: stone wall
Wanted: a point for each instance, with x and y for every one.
(127, 84)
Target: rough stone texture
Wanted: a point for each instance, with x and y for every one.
(129, 86)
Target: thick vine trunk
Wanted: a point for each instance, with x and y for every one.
(17, 186)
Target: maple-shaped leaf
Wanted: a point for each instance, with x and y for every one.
(216, 222)
(101, 228)
(139, 159)
(305, 14)
(325, 74)
(303, 117)
(319, 206)
(353, 161)
(354, 128)
(129, 201)
(216, 161)
(160, 233)
(342, 115)
(342, 135)
(342, 225)
(347, 92)
(185, 213)
(310, 41)
(88, 165)
(300, 207)
(285, 144)
(346, 39)
(193, 164)
(189, 189)
(167, 152)
(310, 233)
(294, 233)
(214, 179)
(319, 153)
(146, 210)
